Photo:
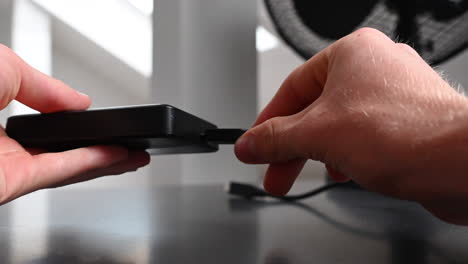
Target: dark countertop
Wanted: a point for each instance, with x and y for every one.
(201, 224)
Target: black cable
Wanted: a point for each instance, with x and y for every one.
(230, 136)
(250, 191)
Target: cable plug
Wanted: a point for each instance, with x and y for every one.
(244, 190)
(223, 135)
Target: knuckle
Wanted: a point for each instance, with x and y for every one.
(407, 48)
(369, 32)
(362, 39)
(271, 135)
(267, 138)
(404, 46)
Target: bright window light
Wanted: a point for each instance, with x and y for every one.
(123, 33)
(265, 40)
(145, 6)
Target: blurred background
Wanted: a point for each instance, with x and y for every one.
(128, 52)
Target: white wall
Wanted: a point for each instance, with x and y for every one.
(205, 63)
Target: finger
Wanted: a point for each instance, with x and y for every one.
(407, 48)
(336, 175)
(51, 168)
(273, 141)
(302, 87)
(46, 94)
(136, 159)
(20, 81)
(280, 177)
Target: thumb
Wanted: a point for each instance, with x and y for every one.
(276, 140)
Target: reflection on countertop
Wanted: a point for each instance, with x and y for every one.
(202, 224)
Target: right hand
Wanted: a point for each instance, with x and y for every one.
(375, 112)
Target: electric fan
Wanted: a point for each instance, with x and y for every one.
(437, 29)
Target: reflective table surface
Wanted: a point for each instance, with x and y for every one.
(202, 224)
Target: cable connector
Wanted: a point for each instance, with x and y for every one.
(223, 135)
(244, 190)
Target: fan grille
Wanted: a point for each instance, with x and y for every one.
(440, 39)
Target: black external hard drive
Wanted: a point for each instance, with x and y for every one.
(160, 129)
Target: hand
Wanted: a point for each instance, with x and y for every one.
(375, 112)
(23, 171)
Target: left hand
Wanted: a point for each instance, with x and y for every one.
(24, 170)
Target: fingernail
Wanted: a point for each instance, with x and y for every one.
(245, 148)
(82, 94)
